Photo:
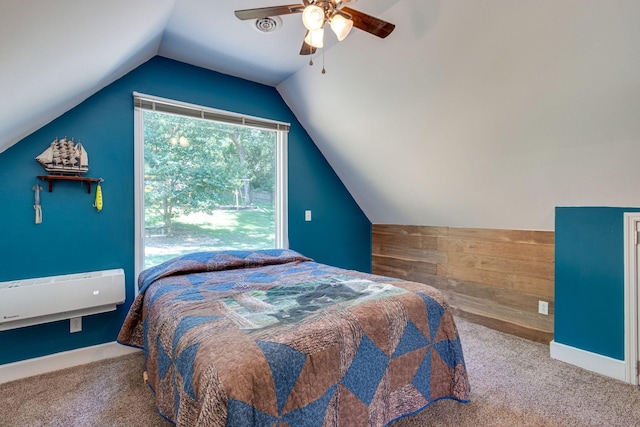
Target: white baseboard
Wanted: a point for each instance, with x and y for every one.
(66, 359)
(593, 362)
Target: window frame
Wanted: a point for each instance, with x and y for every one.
(144, 102)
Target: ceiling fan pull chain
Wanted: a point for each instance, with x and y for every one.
(323, 70)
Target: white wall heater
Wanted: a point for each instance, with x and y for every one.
(47, 299)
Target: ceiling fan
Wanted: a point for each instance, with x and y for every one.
(317, 13)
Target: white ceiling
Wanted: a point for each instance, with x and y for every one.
(206, 33)
(59, 53)
(471, 113)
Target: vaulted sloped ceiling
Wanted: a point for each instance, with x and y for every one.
(475, 114)
(55, 54)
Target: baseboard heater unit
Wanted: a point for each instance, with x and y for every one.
(47, 299)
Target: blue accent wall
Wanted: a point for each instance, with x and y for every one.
(589, 279)
(74, 237)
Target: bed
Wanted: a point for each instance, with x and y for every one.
(272, 338)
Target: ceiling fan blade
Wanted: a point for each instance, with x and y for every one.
(263, 12)
(306, 48)
(370, 24)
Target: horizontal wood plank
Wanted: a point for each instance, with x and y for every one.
(489, 308)
(530, 285)
(523, 331)
(543, 270)
(406, 240)
(518, 300)
(418, 230)
(402, 268)
(499, 235)
(543, 252)
(410, 254)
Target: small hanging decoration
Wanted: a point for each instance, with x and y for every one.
(36, 204)
(98, 202)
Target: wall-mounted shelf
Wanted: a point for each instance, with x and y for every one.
(51, 178)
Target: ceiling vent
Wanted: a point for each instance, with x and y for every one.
(269, 24)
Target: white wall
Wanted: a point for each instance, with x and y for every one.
(482, 113)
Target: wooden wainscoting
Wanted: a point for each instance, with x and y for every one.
(491, 277)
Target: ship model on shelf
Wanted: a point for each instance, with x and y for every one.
(64, 157)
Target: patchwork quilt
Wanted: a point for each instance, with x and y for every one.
(272, 338)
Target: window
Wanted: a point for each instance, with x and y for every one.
(206, 180)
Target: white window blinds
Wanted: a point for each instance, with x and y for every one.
(153, 103)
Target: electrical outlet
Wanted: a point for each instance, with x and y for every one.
(543, 307)
(75, 324)
(307, 215)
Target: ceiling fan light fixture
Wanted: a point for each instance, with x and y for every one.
(315, 38)
(313, 17)
(341, 25)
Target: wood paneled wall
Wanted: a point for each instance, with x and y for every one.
(491, 277)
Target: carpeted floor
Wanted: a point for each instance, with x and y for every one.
(514, 383)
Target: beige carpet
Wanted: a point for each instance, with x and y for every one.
(514, 383)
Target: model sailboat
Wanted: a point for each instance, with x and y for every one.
(64, 157)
